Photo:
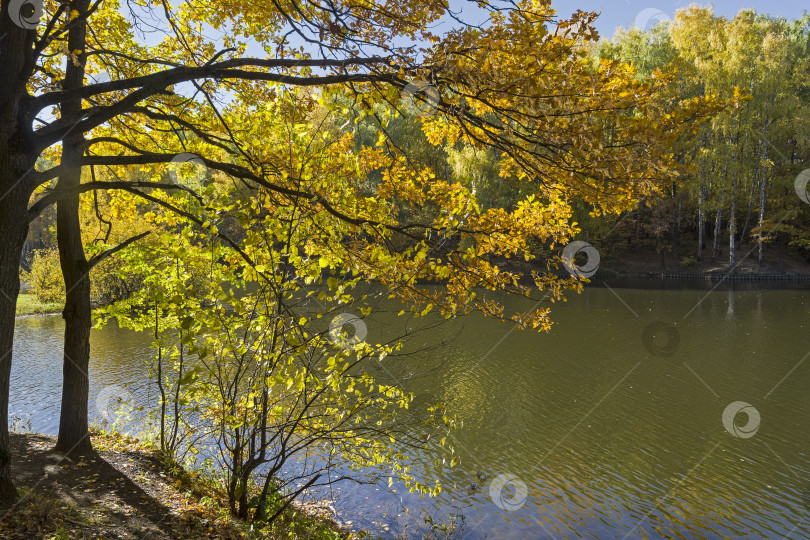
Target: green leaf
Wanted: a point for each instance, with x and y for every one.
(188, 377)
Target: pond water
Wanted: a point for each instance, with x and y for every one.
(644, 413)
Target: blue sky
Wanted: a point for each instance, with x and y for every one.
(642, 13)
(617, 13)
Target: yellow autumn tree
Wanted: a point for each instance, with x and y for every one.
(81, 89)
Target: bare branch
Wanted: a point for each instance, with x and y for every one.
(106, 253)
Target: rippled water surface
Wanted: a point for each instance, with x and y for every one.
(591, 433)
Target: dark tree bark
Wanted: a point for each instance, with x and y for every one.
(704, 194)
(732, 230)
(745, 234)
(718, 220)
(13, 230)
(763, 189)
(659, 243)
(782, 243)
(732, 214)
(73, 429)
(676, 232)
(701, 223)
(17, 159)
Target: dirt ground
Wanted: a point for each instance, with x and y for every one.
(109, 495)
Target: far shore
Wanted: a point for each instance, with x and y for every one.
(29, 305)
(624, 268)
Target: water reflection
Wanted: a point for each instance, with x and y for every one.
(610, 439)
(118, 359)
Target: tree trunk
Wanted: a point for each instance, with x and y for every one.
(736, 162)
(676, 234)
(659, 243)
(17, 159)
(717, 223)
(14, 227)
(73, 430)
(760, 242)
(701, 222)
(752, 192)
(732, 230)
(763, 189)
(782, 242)
(704, 194)
(243, 500)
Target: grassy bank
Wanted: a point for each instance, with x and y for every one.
(28, 304)
(128, 490)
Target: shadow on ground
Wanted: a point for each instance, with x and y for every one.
(101, 495)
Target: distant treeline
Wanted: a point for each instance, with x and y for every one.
(740, 186)
(737, 192)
